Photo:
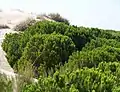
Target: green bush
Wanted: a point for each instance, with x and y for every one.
(66, 58)
(48, 50)
(112, 68)
(83, 80)
(99, 42)
(11, 47)
(93, 58)
(79, 36)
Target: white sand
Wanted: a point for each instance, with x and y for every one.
(13, 17)
(10, 18)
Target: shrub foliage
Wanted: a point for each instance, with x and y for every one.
(67, 58)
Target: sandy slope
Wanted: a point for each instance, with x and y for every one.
(10, 18)
(13, 17)
(4, 65)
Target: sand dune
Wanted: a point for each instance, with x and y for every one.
(13, 17)
(10, 18)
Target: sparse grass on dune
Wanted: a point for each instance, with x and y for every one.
(2, 26)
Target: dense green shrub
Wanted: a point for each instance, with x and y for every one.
(108, 34)
(83, 80)
(48, 50)
(112, 68)
(99, 42)
(94, 57)
(11, 47)
(48, 45)
(80, 36)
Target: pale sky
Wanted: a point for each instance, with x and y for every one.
(89, 13)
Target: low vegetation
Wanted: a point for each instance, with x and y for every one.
(24, 24)
(55, 17)
(58, 18)
(5, 84)
(4, 27)
(65, 58)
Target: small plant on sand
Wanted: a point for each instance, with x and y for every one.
(22, 26)
(3, 26)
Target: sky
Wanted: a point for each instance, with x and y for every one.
(89, 13)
